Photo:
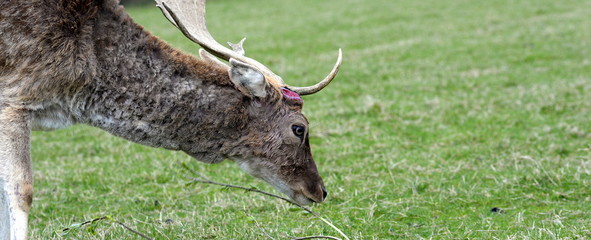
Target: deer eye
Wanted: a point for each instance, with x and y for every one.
(298, 130)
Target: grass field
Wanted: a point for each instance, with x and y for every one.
(442, 111)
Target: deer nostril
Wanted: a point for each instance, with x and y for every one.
(324, 193)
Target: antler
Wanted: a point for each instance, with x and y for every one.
(189, 17)
(319, 86)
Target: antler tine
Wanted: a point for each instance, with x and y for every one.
(319, 86)
(160, 5)
(238, 47)
(189, 17)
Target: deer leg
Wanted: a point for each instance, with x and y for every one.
(16, 176)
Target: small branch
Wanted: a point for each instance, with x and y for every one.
(110, 219)
(184, 165)
(253, 190)
(86, 222)
(133, 231)
(275, 196)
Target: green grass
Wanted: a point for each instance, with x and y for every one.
(442, 111)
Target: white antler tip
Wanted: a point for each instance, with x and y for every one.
(238, 47)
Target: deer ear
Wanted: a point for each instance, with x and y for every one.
(247, 79)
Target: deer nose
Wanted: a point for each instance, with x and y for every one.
(319, 199)
(317, 194)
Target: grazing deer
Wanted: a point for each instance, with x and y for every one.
(64, 62)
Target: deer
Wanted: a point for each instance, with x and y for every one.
(66, 62)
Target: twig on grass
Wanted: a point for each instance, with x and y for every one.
(133, 231)
(275, 196)
(79, 225)
(252, 190)
(192, 171)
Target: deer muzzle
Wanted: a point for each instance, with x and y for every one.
(306, 194)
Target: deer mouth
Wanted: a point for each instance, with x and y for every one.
(296, 193)
(300, 194)
(304, 193)
(302, 200)
(316, 194)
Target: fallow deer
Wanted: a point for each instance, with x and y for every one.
(64, 62)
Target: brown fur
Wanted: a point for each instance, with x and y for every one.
(46, 47)
(85, 61)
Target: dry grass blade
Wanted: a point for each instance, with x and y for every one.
(259, 226)
(275, 196)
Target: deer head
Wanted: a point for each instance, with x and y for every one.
(275, 148)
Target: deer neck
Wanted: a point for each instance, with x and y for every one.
(147, 92)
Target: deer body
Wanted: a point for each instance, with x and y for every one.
(64, 62)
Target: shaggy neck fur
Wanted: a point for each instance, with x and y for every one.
(96, 66)
(158, 96)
